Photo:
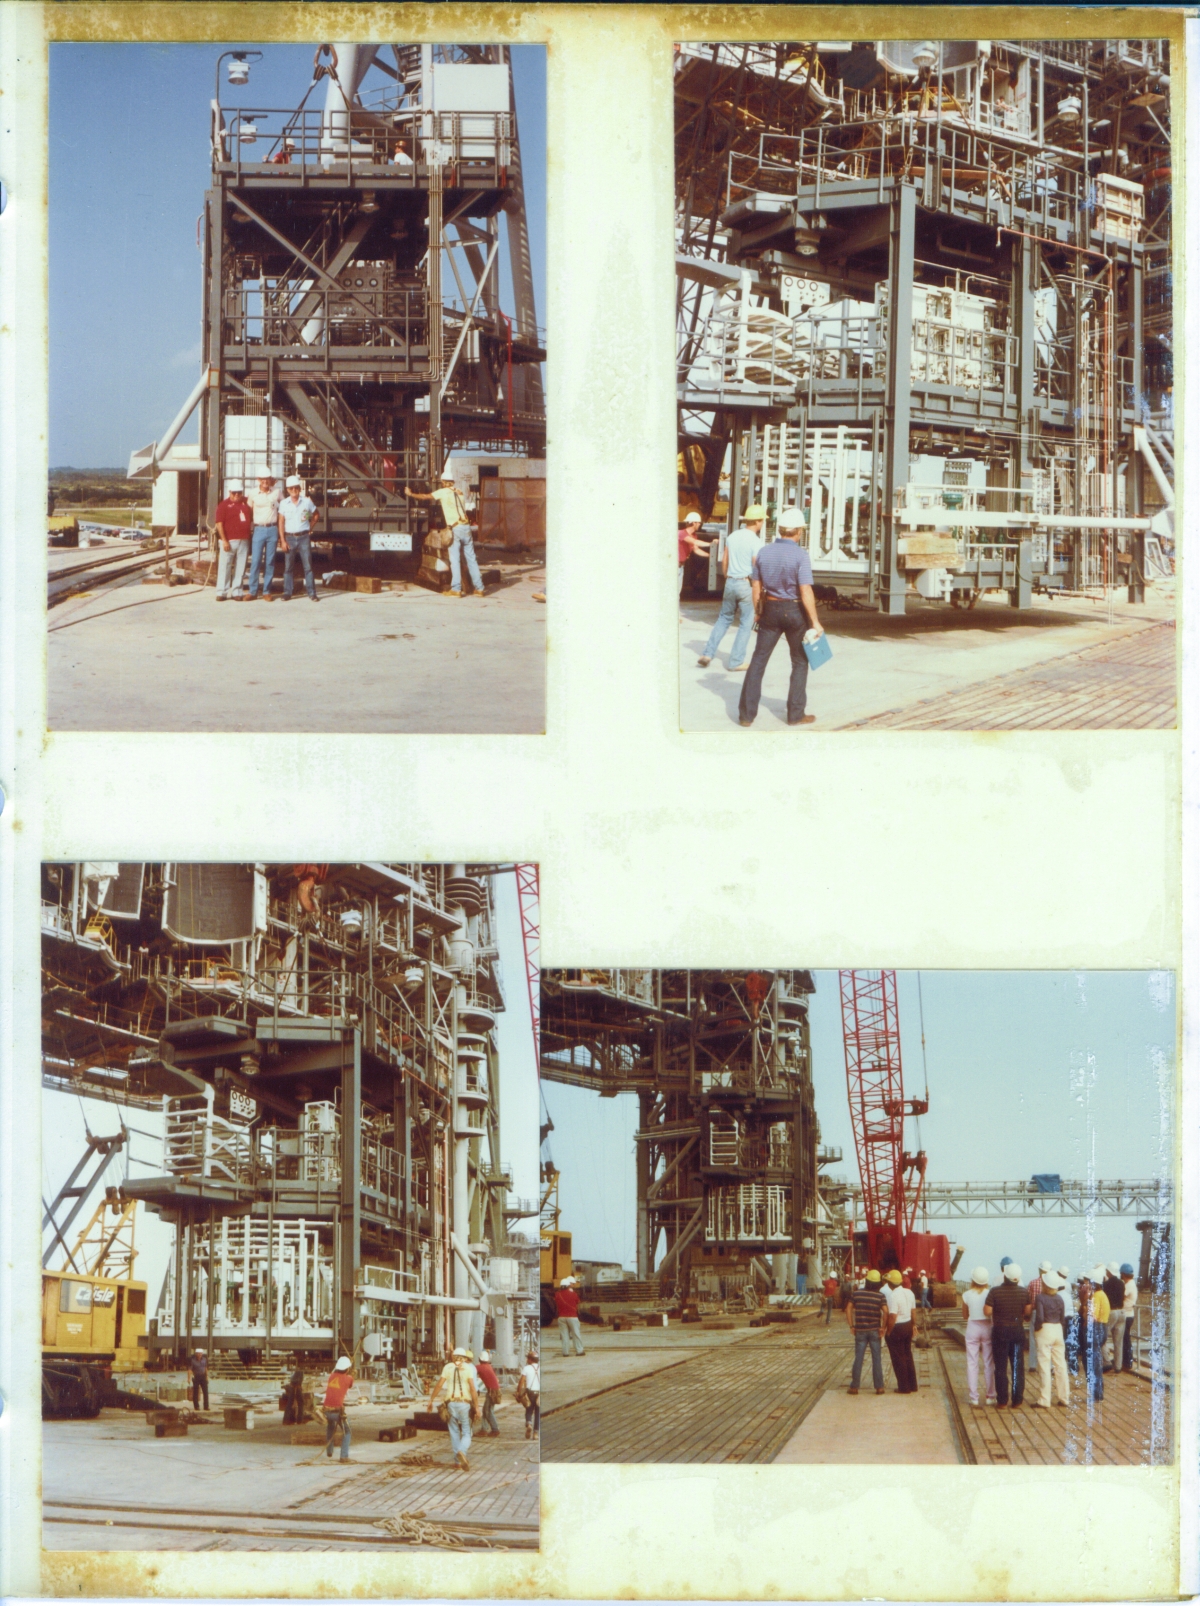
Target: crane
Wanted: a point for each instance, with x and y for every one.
(892, 1178)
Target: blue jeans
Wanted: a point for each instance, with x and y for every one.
(861, 1340)
(337, 1422)
(460, 1426)
(779, 618)
(462, 545)
(262, 555)
(1008, 1354)
(737, 600)
(299, 546)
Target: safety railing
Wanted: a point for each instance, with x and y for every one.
(956, 168)
(404, 142)
(368, 309)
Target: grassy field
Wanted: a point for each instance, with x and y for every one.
(124, 516)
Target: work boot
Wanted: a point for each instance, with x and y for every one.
(852, 1391)
(881, 1391)
(454, 593)
(529, 1433)
(704, 662)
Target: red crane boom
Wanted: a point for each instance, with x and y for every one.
(891, 1177)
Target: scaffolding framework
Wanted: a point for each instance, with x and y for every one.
(320, 1041)
(924, 295)
(727, 1132)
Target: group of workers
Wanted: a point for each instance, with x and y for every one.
(1006, 1320)
(251, 530)
(468, 1388)
(1011, 1319)
(769, 589)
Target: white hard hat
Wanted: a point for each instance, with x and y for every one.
(1065, 1273)
(294, 479)
(447, 472)
(267, 475)
(233, 485)
(1052, 1281)
(790, 519)
(1044, 1265)
(981, 1276)
(692, 518)
(457, 1352)
(1113, 1268)
(1097, 1273)
(1013, 1272)
(201, 1351)
(342, 1364)
(484, 1356)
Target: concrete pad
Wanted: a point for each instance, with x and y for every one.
(880, 664)
(138, 657)
(614, 1358)
(870, 1429)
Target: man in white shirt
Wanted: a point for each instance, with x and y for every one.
(901, 1302)
(1128, 1311)
(298, 519)
(462, 545)
(264, 510)
(531, 1388)
(737, 560)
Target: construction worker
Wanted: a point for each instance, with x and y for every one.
(293, 1399)
(198, 1366)
(232, 519)
(530, 1393)
(866, 1315)
(688, 542)
(1035, 1288)
(979, 1337)
(737, 600)
(264, 514)
(337, 1385)
(1008, 1306)
(454, 512)
(1128, 1311)
(1094, 1312)
(830, 1289)
(299, 517)
(566, 1303)
(901, 1302)
(1049, 1319)
(781, 580)
(490, 1399)
(1114, 1292)
(457, 1383)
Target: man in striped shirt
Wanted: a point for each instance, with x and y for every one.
(866, 1314)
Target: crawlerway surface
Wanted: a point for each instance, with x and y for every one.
(1065, 663)
(696, 1393)
(110, 1484)
(135, 657)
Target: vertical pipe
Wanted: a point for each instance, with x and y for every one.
(901, 254)
(460, 1220)
(433, 314)
(269, 1287)
(645, 1267)
(177, 1292)
(350, 1193)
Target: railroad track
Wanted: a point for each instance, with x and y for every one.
(67, 583)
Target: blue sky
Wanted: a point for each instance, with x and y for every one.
(1029, 1071)
(129, 165)
(66, 1118)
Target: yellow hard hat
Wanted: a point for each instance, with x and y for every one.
(755, 511)
(894, 1278)
(872, 1276)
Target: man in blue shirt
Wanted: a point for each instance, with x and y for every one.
(741, 549)
(782, 583)
(298, 518)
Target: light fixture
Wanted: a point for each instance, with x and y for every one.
(1069, 108)
(925, 55)
(247, 132)
(239, 70)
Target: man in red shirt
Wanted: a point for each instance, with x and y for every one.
(830, 1290)
(235, 526)
(566, 1302)
(491, 1397)
(338, 1385)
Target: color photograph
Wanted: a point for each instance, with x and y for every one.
(289, 1190)
(295, 357)
(858, 1217)
(925, 384)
